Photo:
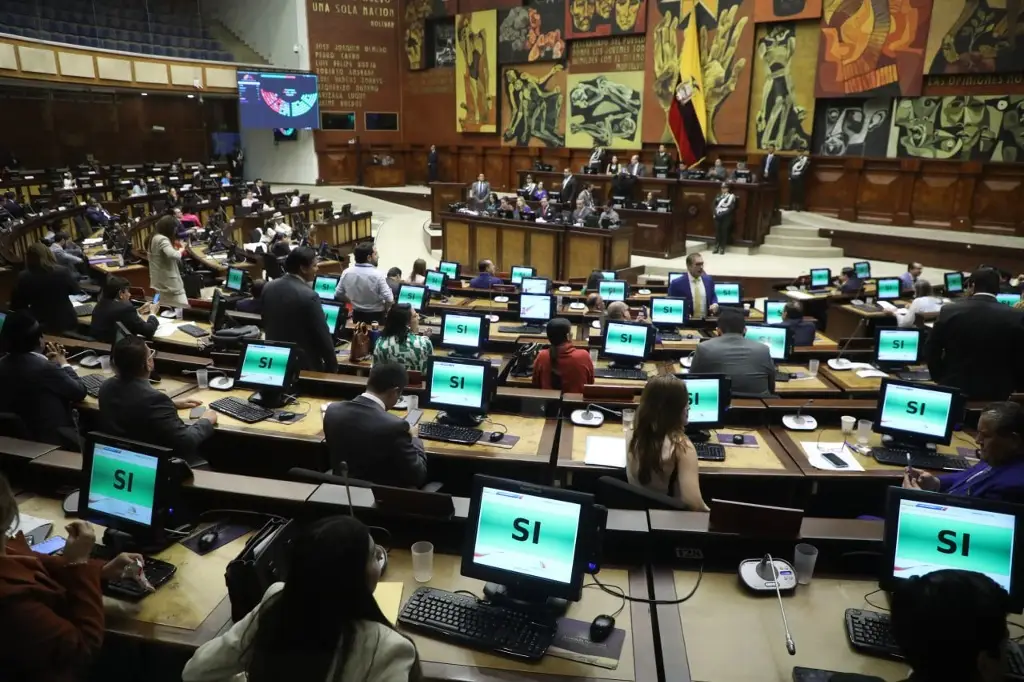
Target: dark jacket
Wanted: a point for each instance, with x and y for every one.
(250, 305)
(569, 191)
(108, 312)
(44, 293)
(292, 313)
(41, 393)
(97, 215)
(134, 409)
(803, 331)
(377, 445)
(975, 346)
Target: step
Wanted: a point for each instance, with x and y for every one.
(794, 230)
(790, 240)
(800, 251)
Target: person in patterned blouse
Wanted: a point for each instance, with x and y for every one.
(400, 341)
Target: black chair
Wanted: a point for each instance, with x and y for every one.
(12, 426)
(272, 266)
(615, 493)
(309, 476)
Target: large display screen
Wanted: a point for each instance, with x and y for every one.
(898, 345)
(704, 400)
(122, 484)
(626, 340)
(461, 330)
(525, 534)
(668, 311)
(918, 411)
(278, 100)
(773, 337)
(264, 365)
(454, 384)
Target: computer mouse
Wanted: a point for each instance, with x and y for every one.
(496, 436)
(737, 439)
(286, 416)
(601, 627)
(208, 539)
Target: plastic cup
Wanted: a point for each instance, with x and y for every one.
(804, 559)
(105, 363)
(203, 377)
(812, 367)
(412, 402)
(594, 352)
(179, 313)
(627, 419)
(422, 561)
(746, 306)
(863, 431)
(848, 424)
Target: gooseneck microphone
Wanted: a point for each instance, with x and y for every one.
(589, 418)
(838, 362)
(798, 422)
(348, 491)
(790, 644)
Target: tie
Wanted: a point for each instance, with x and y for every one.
(698, 299)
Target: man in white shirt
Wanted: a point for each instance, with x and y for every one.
(279, 225)
(249, 199)
(924, 302)
(295, 200)
(365, 287)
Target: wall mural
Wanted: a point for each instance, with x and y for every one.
(661, 60)
(416, 12)
(851, 127)
(976, 36)
(872, 47)
(476, 77)
(959, 128)
(786, 10)
(782, 92)
(595, 18)
(727, 47)
(533, 105)
(532, 33)
(605, 110)
(444, 42)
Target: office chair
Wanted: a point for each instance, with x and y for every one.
(272, 266)
(309, 476)
(615, 493)
(13, 426)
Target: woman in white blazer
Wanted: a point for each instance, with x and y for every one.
(322, 625)
(164, 275)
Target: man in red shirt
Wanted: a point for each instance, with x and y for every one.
(562, 366)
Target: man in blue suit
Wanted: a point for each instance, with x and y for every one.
(697, 287)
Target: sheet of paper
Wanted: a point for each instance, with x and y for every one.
(166, 328)
(868, 373)
(389, 599)
(799, 295)
(606, 451)
(814, 456)
(36, 529)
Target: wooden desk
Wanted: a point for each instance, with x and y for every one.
(169, 385)
(817, 385)
(309, 429)
(852, 384)
(376, 175)
(845, 321)
(536, 440)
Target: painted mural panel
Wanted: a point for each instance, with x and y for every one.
(727, 49)
(852, 127)
(605, 110)
(976, 36)
(476, 72)
(782, 90)
(533, 105)
(959, 128)
(595, 18)
(786, 10)
(535, 32)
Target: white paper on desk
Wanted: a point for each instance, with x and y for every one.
(605, 451)
(814, 456)
(869, 373)
(165, 329)
(35, 529)
(801, 295)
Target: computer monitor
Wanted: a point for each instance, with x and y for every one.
(531, 543)
(536, 307)
(710, 395)
(668, 313)
(897, 347)
(778, 339)
(820, 278)
(618, 200)
(416, 296)
(627, 343)
(774, 312)
(916, 414)
(332, 314)
(612, 290)
(663, 205)
(120, 332)
(954, 282)
(217, 311)
(435, 281)
(609, 274)
(535, 285)
(465, 334)
(325, 286)
(3, 318)
(521, 271)
(728, 293)
(672, 276)
(235, 279)
(450, 268)
(889, 288)
(927, 531)
(863, 269)
(269, 367)
(461, 387)
(1008, 299)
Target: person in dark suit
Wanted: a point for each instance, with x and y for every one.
(697, 287)
(253, 304)
(97, 215)
(480, 192)
(11, 205)
(725, 210)
(545, 211)
(635, 168)
(570, 188)
(976, 343)
(432, 164)
(115, 306)
(770, 165)
(663, 159)
(849, 283)
(746, 361)
(37, 384)
(292, 312)
(376, 445)
(43, 288)
(803, 330)
(131, 408)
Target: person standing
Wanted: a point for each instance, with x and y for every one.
(165, 263)
(725, 209)
(663, 159)
(769, 169)
(292, 312)
(570, 188)
(797, 176)
(364, 286)
(697, 287)
(480, 191)
(432, 164)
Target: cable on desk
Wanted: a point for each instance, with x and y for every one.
(872, 604)
(621, 594)
(653, 602)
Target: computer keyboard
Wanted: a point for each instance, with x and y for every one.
(157, 573)
(466, 621)
(669, 336)
(919, 459)
(868, 307)
(915, 375)
(92, 383)
(710, 452)
(193, 330)
(521, 330)
(85, 309)
(242, 410)
(818, 291)
(449, 433)
(610, 373)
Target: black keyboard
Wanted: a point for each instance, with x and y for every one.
(609, 373)
(868, 308)
(670, 336)
(919, 459)
(242, 410)
(915, 375)
(193, 330)
(157, 573)
(92, 383)
(521, 330)
(464, 620)
(84, 309)
(710, 452)
(449, 433)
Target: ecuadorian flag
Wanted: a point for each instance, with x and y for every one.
(687, 117)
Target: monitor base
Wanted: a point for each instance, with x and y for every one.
(151, 543)
(500, 595)
(620, 364)
(271, 400)
(908, 444)
(698, 435)
(468, 354)
(466, 419)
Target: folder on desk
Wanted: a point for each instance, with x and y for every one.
(389, 599)
(605, 451)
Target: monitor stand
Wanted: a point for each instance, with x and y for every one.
(908, 444)
(468, 354)
(459, 418)
(698, 435)
(525, 600)
(623, 364)
(270, 399)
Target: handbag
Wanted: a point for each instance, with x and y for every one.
(361, 348)
(260, 564)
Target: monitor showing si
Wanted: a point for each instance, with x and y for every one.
(627, 343)
(435, 281)
(897, 346)
(612, 290)
(325, 286)
(416, 296)
(461, 387)
(668, 313)
(820, 278)
(889, 288)
(728, 293)
(863, 269)
(916, 414)
(450, 268)
(778, 339)
(464, 333)
(235, 279)
(954, 282)
(709, 397)
(773, 312)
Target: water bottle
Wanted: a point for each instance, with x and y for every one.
(374, 334)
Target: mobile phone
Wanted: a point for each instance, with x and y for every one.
(156, 298)
(835, 459)
(197, 412)
(50, 545)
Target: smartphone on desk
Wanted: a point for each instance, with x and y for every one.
(156, 298)
(197, 412)
(835, 460)
(50, 546)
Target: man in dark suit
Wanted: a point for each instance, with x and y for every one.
(292, 312)
(697, 287)
(570, 188)
(479, 192)
(40, 389)
(976, 343)
(115, 306)
(97, 215)
(545, 211)
(804, 331)
(377, 445)
(746, 361)
(635, 168)
(663, 159)
(432, 164)
(11, 205)
(725, 210)
(770, 165)
(130, 407)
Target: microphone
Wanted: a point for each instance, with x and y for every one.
(798, 422)
(838, 363)
(348, 491)
(588, 418)
(790, 644)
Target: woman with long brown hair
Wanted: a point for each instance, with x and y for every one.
(164, 260)
(43, 288)
(660, 456)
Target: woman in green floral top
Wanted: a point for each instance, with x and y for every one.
(400, 341)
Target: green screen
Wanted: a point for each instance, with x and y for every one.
(773, 311)
(954, 282)
(888, 288)
(863, 270)
(235, 277)
(1008, 299)
(727, 293)
(519, 271)
(122, 483)
(612, 290)
(455, 384)
(461, 330)
(703, 400)
(534, 285)
(626, 340)
(3, 318)
(916, 410)
(264, 365)
(450, 269)
(668, 311)
(898, 345)
(331, 315)
(534, 307)
(820, 278)
(411, 295)
(435, 280)
(325, 286)
(525, 534)
(933, 537)
(608, 274)
(773, 337)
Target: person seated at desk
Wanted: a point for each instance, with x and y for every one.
(11, 205)
(295, 199)
(505, 208)
(485, 278)
(540, 194)
(1000, 473)
(172, 200)
(614, 168)
(849, 283)
(302, 631)
(138, 190)
(544, 211)
(419, 272)
(635, 168)
(377, 445)
(747, 362)
(562, 366)
(53, 611)
(280, 246)
(741, 172)
(494, 204)
(649, 202)
(225, 180)
(975, 344)
(253, 304)
(951, 625)
(43, 288)
(718, 171)
(529, 186)
(609, 218)
(522, 209)
(67, 181)
(115, 306)
(697, 287)
(925, 301)
(364, 286)
(258, 189)
(249, 199)
(804, 331)
(39, 385)
(908, 278)
(587, 194)
(400, 341)
(582, 210)
(659, 455)
(292, 312)
(593, 281)
(594, 303)
(97, 215)
(68, 253)
(394, 279)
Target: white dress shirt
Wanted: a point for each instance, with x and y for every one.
(365, 287)
(905, 317)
